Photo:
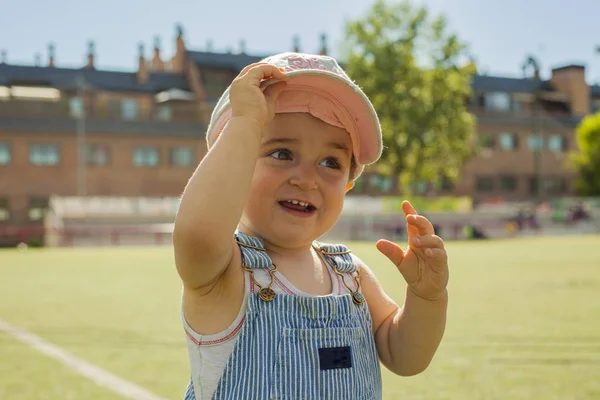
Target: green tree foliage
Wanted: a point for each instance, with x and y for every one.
(419, 81)
(586, 159)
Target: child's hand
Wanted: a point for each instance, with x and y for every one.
(424, 265)
(248, 99)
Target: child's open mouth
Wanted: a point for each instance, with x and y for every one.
(298, 207)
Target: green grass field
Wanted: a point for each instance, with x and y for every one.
(524, 321)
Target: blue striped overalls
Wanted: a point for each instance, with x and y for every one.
(295, 347)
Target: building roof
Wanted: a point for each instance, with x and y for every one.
(67, 78)
(232, 61)
(595, 90)
(515, 85)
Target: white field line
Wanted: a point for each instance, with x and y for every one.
(101, 377)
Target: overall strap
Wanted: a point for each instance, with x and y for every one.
(254, 256)
(253, 251)
(338, 255)
(340, 259)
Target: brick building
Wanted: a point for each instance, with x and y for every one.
(142, 132)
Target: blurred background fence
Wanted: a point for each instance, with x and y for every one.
(101, 221)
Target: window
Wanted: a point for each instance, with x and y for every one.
(76, 107)
(44, 154)
(552, 185)
(535, 142)
(486, 141)
(508, 141)
(182, 156)
(129, 109)
(97, 154)
(484, 184)
(146, 156)
(517, 106)
(4, 210)
(533, 185)
(37, 208)
(557, 143)
(508, 183)
(163, 113)
(4, 154)
(497, 101)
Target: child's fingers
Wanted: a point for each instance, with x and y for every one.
(422, 224)
(272, 94)
(249, 66)
(391, 250)
(408, 208)
(259, 72)
(427, 242)
(439, 257)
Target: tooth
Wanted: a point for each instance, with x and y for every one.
(294, 201)
(303, 204)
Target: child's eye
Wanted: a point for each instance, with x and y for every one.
(281, 154)
(331, 162)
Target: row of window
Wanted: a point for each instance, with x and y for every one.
(510, 183)
(126, 109)
(36, 209)
(483, 184)
(510, 141)
(499, 101)
(100, 155)
(383, 184)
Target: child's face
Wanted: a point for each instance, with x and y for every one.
(305, 159)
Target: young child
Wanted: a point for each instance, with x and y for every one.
(269, 312)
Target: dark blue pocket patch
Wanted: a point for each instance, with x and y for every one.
(335, 358)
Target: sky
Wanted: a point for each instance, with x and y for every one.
(498, 33)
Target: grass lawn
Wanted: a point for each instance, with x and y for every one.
(524, 321)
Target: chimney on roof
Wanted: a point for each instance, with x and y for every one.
(209, 46)
(3, 57)
(142, 74)
(51, 55)
(38, 60)
(570, 80)
(180, 44)
(531, 61)
(323, 51)
(179, 60)
(242, 46)
(157, 64)
(90, 56)
(296, 41)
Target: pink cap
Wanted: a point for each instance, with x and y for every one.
(318, 85)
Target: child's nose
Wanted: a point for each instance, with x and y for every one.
(305, 177)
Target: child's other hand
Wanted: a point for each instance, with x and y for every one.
(424, 265)
(248, 99)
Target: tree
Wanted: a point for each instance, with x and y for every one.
(586, 159)
(419, 81)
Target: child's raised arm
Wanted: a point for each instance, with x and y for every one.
(214, 198)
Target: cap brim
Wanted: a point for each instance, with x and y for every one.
(348, 96)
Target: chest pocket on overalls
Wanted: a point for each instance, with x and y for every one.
(322, 363)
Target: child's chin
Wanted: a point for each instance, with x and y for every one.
(293, 235)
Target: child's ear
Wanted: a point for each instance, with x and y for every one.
(349, 186)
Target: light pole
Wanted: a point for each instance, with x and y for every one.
(535, 128)
(81, 142)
